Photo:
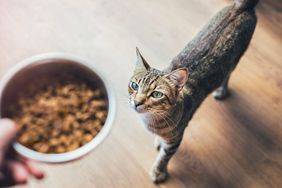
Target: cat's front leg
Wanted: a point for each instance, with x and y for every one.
(157, 143)
(167, 150)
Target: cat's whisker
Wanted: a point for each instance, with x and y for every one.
(168, 122)
(166, 118)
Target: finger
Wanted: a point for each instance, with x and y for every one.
(7, 133)
(31, 166)
(18, 172)
(33, 169)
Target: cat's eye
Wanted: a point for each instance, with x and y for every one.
(157, 94)
(134, 86)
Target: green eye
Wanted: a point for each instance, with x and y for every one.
(134, 86)
(157, 94)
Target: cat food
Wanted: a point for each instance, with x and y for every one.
(60, 117)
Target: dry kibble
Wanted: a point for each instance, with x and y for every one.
(98, 103)
(75, 125)
(93, 132)
(73, 146)
(60, 149)
(63, 139)
(97, 93)
(78, 133)
(24, 139)
(66, 126)
(87, 138)
(54, 141)
(55, 133)
(61, 117)
(101, 115)
(41, 147)
(97, 125)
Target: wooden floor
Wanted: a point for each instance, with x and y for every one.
(230, 144)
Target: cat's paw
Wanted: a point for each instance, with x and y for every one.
(220, 93)
(158, 176)
(157, 143)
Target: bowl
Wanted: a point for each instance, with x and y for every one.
(52, 65)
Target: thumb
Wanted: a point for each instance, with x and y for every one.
(7, 133)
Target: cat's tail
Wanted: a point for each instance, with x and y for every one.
(246, 4)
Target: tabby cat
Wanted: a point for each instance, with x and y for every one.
(168, 99)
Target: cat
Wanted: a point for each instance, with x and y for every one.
(168, 99)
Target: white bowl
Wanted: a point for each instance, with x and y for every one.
(50, 65)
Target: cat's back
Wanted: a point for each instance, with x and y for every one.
(217, 47)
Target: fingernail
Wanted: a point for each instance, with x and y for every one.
(40, 176)
(22, 182)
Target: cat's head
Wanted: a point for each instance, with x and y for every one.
(151, 90)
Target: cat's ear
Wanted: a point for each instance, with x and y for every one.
(141, 63)
(179, 77)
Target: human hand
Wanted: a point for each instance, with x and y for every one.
(14, 169)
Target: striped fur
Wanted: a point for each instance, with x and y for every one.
(204, 65)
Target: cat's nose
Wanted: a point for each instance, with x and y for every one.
(137, 103)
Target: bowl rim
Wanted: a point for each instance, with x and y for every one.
(83, 150)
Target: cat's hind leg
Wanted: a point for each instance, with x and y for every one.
(222, 92)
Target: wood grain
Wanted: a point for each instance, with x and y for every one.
(236, 143)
